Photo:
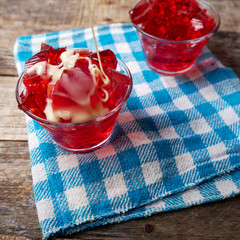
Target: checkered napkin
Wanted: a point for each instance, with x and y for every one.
(175, 143)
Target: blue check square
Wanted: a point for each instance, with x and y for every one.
(206, 109)
(178, 117)
(162, 96)
(134, 103)
(232, 99)
(128, 159)
(225, 133)
(188, 88)
(194, 143)
(90, 172)
(147, 124)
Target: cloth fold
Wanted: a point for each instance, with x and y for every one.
(175, 143)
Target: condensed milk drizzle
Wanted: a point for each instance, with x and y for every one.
(106, 80)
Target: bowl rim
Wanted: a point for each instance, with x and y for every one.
(97, 119)
(208, 35)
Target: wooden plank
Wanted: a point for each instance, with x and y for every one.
(226, 47)
(18, 213)
(12, 124)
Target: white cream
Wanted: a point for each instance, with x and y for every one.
(69, 59)
(49, 112)
(104, 77)
(38, 67)
(54, 72)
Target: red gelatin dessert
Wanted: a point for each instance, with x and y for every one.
(173, 32)
(172, 19)
(74, 90)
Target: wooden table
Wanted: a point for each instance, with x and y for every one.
(18, 217)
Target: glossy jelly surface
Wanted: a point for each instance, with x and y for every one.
(173, 32)
(83, 107)
(176, 20)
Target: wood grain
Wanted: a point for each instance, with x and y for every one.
(17, 209)
(12, 124)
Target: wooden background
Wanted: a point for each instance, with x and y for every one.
(18, 218)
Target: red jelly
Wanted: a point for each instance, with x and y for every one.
(70, 89)
(173, 32)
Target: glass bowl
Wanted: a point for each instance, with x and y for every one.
(82, 137)
(170, 57)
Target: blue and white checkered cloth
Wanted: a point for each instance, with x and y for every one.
(176, 142)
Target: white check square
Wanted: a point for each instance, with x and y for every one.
(115, 186)
(76, 197)
(226, 187)
(184, 162)
(200, 126)
(38, 173)
(209, 93)
(153, 111)
(45, 209)
(106, 151)
(134, 67)
(169, 81)
(138, 138)
(116, 28)
(66, 162)
(168, 133)
(216, 151)
(88, 33)
(192, 195)
(151, 172)
(125, 117)
(19, 66)
(142, 89)
(183, 103)
(65, 39)
(123, 48)
(229, 116)
(159, 204)
(194, 73)
(36, 43)
(33, 141)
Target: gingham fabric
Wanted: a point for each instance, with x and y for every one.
(175, 143)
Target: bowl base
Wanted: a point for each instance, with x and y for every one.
(85, 150)
(168, 73)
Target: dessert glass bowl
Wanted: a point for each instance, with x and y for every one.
(171, 57)
(82, 137)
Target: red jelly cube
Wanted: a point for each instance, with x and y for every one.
(108, 58)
